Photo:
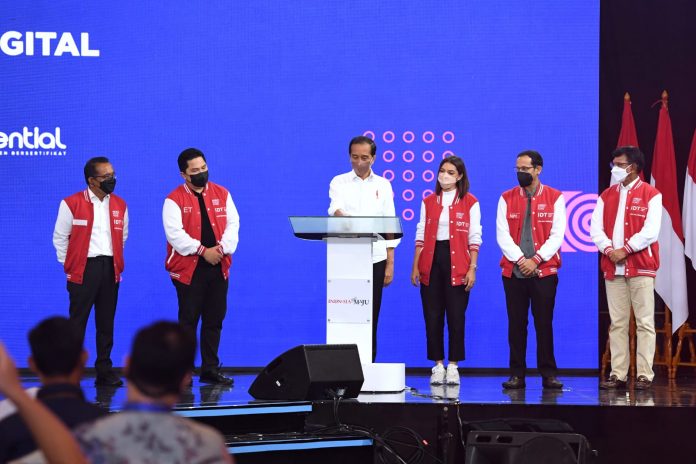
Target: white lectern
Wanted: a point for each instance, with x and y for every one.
(349, 286)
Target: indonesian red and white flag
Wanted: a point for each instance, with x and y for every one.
(670, 282)
(628, 135)
(689, 207)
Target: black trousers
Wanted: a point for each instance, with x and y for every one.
(205, 299)
(541, 293)
(99, 289)
(441, 299)
(378, 271)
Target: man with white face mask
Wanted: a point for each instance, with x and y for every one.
(625, 226)
(361, 192)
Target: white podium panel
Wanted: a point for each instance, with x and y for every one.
(349, 287)
(349, 293)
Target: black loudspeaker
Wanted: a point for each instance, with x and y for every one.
(311, 372)
(549, 442)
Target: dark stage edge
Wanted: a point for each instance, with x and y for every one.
(623, 426)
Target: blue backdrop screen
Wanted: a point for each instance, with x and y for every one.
(272, 92)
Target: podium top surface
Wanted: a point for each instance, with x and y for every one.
(321, 227)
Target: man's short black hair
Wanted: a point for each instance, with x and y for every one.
(56, 345)
(633, 154)
(537, 160)
(161, 355)
(91, 166)
(361, 139)
(187, 155)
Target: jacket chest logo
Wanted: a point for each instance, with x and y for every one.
(460, 215)
(187, 209)
(215, 201)
(115, 213)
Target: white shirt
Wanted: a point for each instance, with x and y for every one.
(443, 231)
(641, 240)
(100, 240)
(186, 245)
(370, 197)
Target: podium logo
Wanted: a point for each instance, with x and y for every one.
(14, 43)
(32, 143)
(349, 301)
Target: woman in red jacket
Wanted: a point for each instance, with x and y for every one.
(448, 238)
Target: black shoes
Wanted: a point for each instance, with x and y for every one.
(613, 383)
(108, 379)
(215, 377)
(642, 383)
(551, 383)
(514, 383)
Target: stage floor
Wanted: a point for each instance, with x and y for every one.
(479, 390)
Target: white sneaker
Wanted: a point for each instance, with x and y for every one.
(438, 375)
(452, 376)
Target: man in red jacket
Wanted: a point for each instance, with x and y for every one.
(530, 225)
(202, 228)
(625, 226)
(89, 235)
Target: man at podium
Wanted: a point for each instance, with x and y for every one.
(361, 192)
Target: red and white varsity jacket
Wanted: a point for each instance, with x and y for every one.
(642, 215)
(82, 211)
(464, 235)
(548, 228)
(181, 216)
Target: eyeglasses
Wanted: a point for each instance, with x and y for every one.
(620, 165)
(106, 177)
(523, 168)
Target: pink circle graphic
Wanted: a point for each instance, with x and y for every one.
(408, 175)
(428, 156)
(426, 193)
(428, 137)
(407, 214)
(370, 134)
(408, 136)
(408, 156)
(388, 174)
(408, 195)
(448, 136)
(388, 136)
(579, 208)
(447, 153)
(428, 175)
(388, 156)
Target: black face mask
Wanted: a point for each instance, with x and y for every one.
(108, 185)
(200, 179)
(524, 178)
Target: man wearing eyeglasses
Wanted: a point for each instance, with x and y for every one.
(530, 225)
(625, 226)
(89, 235)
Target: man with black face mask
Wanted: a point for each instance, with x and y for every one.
(202, 228)
(89, 235)
(530, 226)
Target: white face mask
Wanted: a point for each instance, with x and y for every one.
(446, 180)
(618, 174)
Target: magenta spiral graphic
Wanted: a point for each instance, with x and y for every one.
(579, 207)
